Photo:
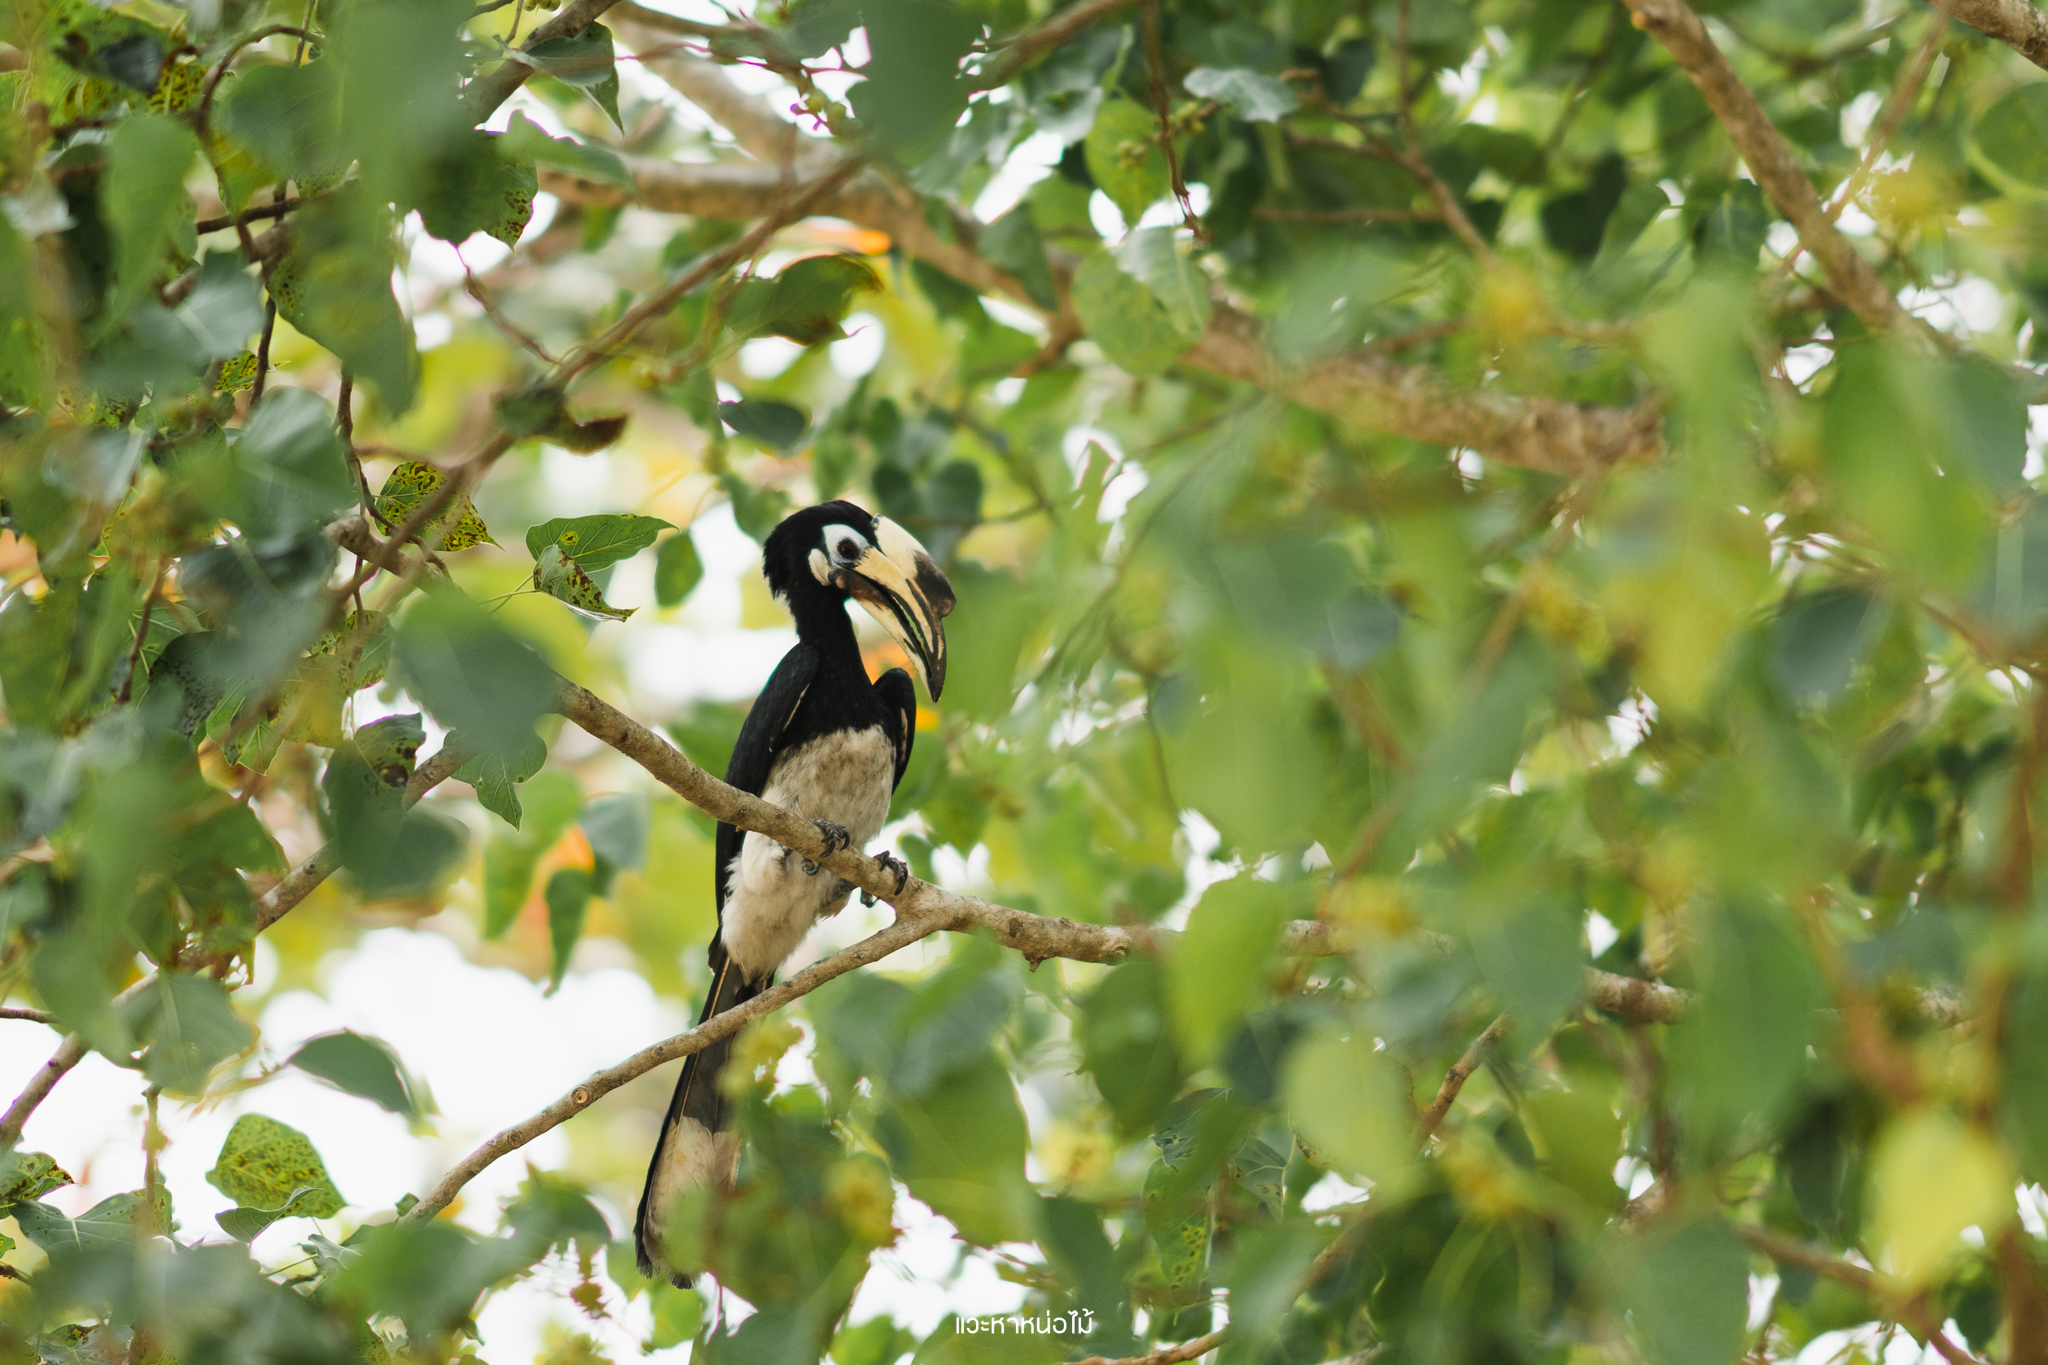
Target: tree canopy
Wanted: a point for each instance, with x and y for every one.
(1485, 805)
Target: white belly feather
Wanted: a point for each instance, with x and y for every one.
(771, 904)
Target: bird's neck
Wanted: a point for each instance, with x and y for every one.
(824, 626)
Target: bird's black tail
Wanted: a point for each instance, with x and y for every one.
(694, 1147)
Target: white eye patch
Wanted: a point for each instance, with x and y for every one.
(844, 545)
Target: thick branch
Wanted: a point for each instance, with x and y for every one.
(2015, 23)
(1027, 47)
(753, 125)
(1360, 387)
(1768, 156)
(482, 96)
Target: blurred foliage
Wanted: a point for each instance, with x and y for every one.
(1756, 717)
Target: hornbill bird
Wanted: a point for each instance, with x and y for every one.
(828, 744)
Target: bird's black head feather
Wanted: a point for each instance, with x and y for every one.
(785, 555)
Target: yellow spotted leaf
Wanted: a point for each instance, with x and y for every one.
(559, 576)
(237, 373)
(457, 527)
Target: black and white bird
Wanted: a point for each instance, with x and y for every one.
(827, 744)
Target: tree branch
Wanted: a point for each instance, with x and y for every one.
(2015, 23)
(1461, 1071)
(32, 1016)
(907, 930)
(1057, 31)
(69, 1053)
(1915, 1313)
(1172, 1355)
(1367, 389)
(1768, 156)
(482, 96)
(758, 129)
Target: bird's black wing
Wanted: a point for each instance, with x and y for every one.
(752, 757)
(899, 715)
(760, 737)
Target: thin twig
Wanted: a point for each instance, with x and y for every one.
(32, 1016)
(277, 208)
(156, 586)
(69, 1053)
(1155, 63)
(1460, 1072)
(1914, 1313)
(263, 346)
(475, 289)
(220, 68)
(1351, 215)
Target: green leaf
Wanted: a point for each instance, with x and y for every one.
(617, 829)
(562, 578)
(334, 284)
(243, 1224)
(2012, 135)
(524, 141)
(471, 673)
(594, 542)
(473, 186)
(1687, 1289)
(71, 971)
(1124, 317)
(1124, 156)
(297, 471)
(568, 895)
(585, 61)
(1349, 1103)
(1127, 1044)
(1013, 243)
(188, 1026)
(1256, 97)
(914, 92)
(496, 777)
(960, 1148)
(757, 509)
(1165, 264)
(778, 426)
(677, 570)
(107, 1225)
(264, 1164)
(224, 309)
(1220, 964)
(288, 115)
(28, 1175)
(1181, 1228)
(358, 1065)
(143, 194)
(390, 851)
(805, 302)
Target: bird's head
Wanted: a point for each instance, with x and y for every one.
(836, 550)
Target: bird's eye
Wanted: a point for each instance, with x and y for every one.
(848, 550)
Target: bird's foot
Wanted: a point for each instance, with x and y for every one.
(836, 838)
(894, 864)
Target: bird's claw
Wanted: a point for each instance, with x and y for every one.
(894, 864)
(836, 838)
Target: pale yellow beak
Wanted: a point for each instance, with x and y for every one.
(901, 586)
